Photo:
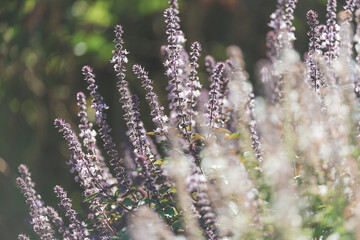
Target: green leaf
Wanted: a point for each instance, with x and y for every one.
(127, 202)
(165, 202)
(197, 136)
(160, 162)
(91, 197)
(144, 201)
(173, 190)
(130, 191)
(108, 200)
(158, 171)
(232, 136)
(119, 191)
(164, 189)
(152, 133)
(170, 190)
(169, 212)
(178, 226)
(222, 130)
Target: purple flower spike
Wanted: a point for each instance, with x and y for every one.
(119, 59)
(23, 237)
(277, 17)
(88, 135)
(137, 133)
(224, 91)
(197, 185)
(174, 4)
(314, 41)
(272, 46)
(209, 64)
(58, 222)
(282, 35)
(314, 74)
(254, 131)
(350, 5)
(193, 84)
(174, 64)
(157, 111)
(213, 105)
(104, 128)
(138, 136)
(78, 228)
(332, 32)
(287, 36)
(77, 160)
(40, 221)
(272, 38)
(357, 34)
(290, 6)
(85, 126)
(119, 56)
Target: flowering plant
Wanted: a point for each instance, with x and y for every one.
(223, 164)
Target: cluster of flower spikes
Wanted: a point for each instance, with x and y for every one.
(324, 43)
(40, 220)
(148, 183)
(88, 134)
(137, 134)
(279, 38)
(104, 128)
(282, 33)
(45, 219)
(80, 231)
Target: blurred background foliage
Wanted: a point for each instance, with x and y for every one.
(44, 44)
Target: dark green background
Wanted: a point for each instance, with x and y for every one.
(44, 44)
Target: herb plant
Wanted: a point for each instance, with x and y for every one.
(221, 163)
